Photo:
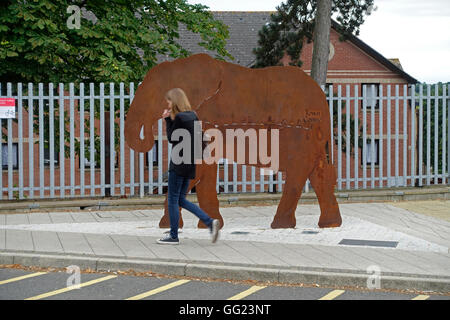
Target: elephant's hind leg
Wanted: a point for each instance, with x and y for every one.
(323, 180)
(285, 216)
(207, 194)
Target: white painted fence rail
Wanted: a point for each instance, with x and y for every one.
(385, 136)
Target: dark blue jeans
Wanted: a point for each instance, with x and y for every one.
(177, 198)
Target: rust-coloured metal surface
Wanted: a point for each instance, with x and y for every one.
(227, 96)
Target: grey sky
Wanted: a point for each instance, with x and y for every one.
(415, 31)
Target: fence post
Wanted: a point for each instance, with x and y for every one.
(20, 136)
(444, 126)
(380, 134)
(51, 129)
(107, 149)
(82, 151)
(413, 135)
(10, 148)
(364, 143)
(448, 132)
(111, 132)
(356, 136)
(41, 140)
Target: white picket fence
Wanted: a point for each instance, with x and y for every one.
(409, 147)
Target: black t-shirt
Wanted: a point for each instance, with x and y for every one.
(183, 120)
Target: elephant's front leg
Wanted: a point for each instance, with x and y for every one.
(207, 193)
(285, 216)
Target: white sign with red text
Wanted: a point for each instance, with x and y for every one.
(7, 108)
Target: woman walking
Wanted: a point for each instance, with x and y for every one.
(179, 115)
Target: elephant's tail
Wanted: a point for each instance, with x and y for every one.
(325, 140)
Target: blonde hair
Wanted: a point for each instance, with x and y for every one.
(180, 101)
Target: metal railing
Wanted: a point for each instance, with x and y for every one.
(68, 141)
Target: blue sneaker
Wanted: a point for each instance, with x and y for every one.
(168, 240)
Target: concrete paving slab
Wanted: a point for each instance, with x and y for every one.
(19, 240)
(171, 253)
(243, 211)
(75, 243)
(82, 217)
(14, 219)
(103, 215)
(39, 218)
(437, 209)
(322, 259)
(103, 245)
(290, 257)
(2, 239)
(97, 217)
(153, 214)
(132, 246)
(45, 241)
(123, 215)
(386, 261)
(195, 252)
(268, 211)
(423, 261)
(138, 214)
(61, 217)
(256, 254)
(358, 262)
(2, 219)
(224, 252)
(371, 257)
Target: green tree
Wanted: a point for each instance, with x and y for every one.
(117, 40)
(294, 24)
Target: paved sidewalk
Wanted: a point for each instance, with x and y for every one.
(408, 250)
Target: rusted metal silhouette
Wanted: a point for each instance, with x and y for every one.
(226, 95)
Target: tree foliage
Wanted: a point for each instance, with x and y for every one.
(117, 40)
(293, 25)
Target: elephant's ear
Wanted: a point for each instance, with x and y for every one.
(201, 77)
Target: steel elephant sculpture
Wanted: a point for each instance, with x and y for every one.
(226, 95)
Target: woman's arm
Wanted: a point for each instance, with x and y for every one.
(171, 126)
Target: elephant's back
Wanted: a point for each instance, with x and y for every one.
(280, 95)
(292, 96)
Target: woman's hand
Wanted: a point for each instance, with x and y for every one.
(166, 113)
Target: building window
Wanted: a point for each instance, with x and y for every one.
(375, 156)
(87, 162)
(153, 154)
(47, 157)
(15, 156)
(372, 92)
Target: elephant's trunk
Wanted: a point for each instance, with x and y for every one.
(139, 127)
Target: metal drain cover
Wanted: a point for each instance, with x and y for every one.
(240, 232)
(310, 232)
(371, 243)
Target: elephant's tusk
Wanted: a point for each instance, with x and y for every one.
(141, 134)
